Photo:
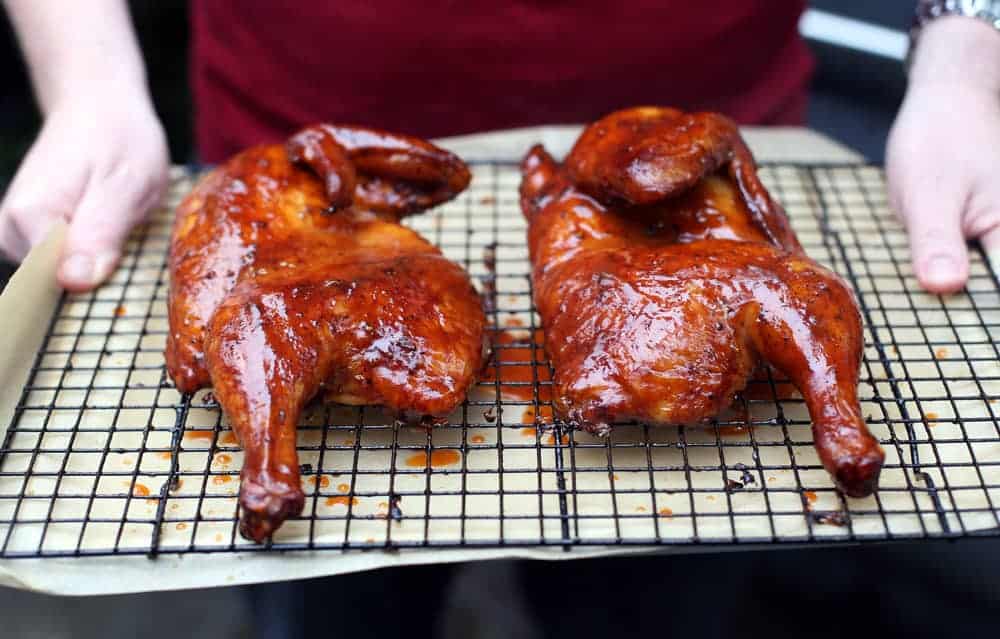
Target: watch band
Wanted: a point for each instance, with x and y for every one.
(927, 10)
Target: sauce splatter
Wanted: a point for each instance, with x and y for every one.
(228, 438)
(487, 200)
(490, 280)
(732, 431)
(513, 322)
(395, 507)
(437, 458)
(141, 490)
(931, 416)
(515, 365)
(343, 488)
(181, 526)
(710, 497)
(370, 540)
(120, 310)
(165, 455)
(640, 509)
(477, 439)
(615, 477)
(544, 415)
(218, 538)
(830, 518)
(322, 480)
(810, 497)
(347, 442)
(343, 500)
(427, 423)
(218, 480)
(550, 439)
(383, 505)
(127, 461)
(529, 431)
(941, 353)
(199, 434)
(666, 512)
(223, 459)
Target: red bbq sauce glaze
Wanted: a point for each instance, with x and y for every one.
(437, 458)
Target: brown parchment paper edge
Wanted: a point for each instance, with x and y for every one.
(26, 308)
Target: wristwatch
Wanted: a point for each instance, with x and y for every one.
(927, 10)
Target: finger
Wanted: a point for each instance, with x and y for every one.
(109, 209)
(937, 245)
(939, 254)
(990, 241)
(22, 226)
(33, 202)
(13, 246)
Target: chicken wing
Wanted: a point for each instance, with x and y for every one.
(291, 277)
(664, 274)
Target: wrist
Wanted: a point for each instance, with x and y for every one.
(76, 49)
(957, 51)
(82, 85)
(104, 96)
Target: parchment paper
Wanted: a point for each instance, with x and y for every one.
(27, 306)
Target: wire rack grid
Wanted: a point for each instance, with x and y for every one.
(104, 457)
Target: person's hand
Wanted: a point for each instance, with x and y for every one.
(943, 154)
(99, 163)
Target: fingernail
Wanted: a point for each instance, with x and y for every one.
(104, 264)
(78, 269)
(941, 270)
(85, 270)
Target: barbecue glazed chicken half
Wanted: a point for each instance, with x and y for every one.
(291, 277)
(665, 274)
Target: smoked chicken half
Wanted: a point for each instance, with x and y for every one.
(665, 274)
(291, 277)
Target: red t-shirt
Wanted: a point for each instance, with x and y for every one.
(261, 69)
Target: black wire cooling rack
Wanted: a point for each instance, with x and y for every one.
(104, 457)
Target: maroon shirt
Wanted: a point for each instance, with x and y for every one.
(261, 69)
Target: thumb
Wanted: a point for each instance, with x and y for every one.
(937, 244)
(98, 229)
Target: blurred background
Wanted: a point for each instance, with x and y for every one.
(915, 589)
(855, 108)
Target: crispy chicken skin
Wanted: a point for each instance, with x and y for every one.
(291, 277)
(664, 274)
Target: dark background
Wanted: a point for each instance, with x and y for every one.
(911, 590)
